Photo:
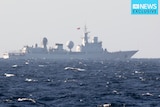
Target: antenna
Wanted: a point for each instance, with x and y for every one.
(85, 38)
(85, 29)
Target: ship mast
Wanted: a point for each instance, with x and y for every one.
(85, 38)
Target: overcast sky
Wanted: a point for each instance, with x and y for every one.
(26, 22)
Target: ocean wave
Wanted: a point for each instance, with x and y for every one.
(9, 75)
(74, 69)
(26, 99)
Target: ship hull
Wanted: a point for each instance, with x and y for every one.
(120, 55)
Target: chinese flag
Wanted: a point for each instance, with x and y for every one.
(78, 28)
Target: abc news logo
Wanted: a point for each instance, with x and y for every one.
(144, 7)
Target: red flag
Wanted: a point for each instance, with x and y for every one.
(78, 28)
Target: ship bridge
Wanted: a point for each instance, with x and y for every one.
(89, 47)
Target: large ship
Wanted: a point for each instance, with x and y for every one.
(88, 50)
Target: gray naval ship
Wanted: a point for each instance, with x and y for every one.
(87, 50)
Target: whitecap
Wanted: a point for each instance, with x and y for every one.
(80, 69)
(30, 80)
(105, 105)
(26, 63)
(69, 68)
(27, 99)
(81, 100)
(74, 69)
(108, 82)
(147, 94)
(137, 72)
(9, 75)
(115, 92)
(14, 66)
(142, 79)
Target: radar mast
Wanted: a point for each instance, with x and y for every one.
(85, 38)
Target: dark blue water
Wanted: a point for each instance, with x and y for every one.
(46, 83)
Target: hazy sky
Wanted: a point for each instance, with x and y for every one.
(26, 22)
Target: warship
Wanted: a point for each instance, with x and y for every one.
(88, 50)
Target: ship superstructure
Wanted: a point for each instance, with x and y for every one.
(87, 50)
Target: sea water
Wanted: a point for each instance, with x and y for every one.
(80, 83)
